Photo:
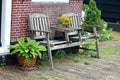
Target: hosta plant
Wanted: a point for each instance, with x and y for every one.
(27, 49)
(27, 52)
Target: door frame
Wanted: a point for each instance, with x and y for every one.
(5, 26)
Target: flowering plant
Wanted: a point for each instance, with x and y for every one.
(64, 21)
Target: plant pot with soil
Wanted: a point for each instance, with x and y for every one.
(27, 52)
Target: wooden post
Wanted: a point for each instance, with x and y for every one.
(96, 42)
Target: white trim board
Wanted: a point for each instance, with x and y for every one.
(50, 1)
(5, 26)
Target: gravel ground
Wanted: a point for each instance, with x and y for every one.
(98, 69)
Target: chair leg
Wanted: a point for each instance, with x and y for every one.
(49, 51)
(97, 40)
(50, 58)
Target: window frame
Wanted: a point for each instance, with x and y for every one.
(50, 1)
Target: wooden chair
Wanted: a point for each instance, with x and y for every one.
(39, 28)
(76, 23)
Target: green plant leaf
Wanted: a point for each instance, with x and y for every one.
(29, 48)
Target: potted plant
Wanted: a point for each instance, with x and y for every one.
(27, 52)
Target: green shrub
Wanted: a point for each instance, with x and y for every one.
(85, 7)
(84, 33)
(92, 17)
(3, 62)
(86, 63)
(106, 34)
(94, 55)
(60, 54)
(87, 53)
(44, 56)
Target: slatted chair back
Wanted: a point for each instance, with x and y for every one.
(75, 23)
(37, 23)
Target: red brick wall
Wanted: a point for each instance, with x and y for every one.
(20, 12)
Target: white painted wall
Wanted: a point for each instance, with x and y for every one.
(5, 26)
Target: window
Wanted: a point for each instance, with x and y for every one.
(50, 1)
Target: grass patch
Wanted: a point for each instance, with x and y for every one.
(109, 51)
(86, 63)
(41, 65)
(76, 59)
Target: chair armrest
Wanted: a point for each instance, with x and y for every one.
(78, 28)
(57, 29)
(41, 31)
(91, 25)
(65, 29)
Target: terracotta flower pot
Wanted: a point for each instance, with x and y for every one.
(30, 65)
